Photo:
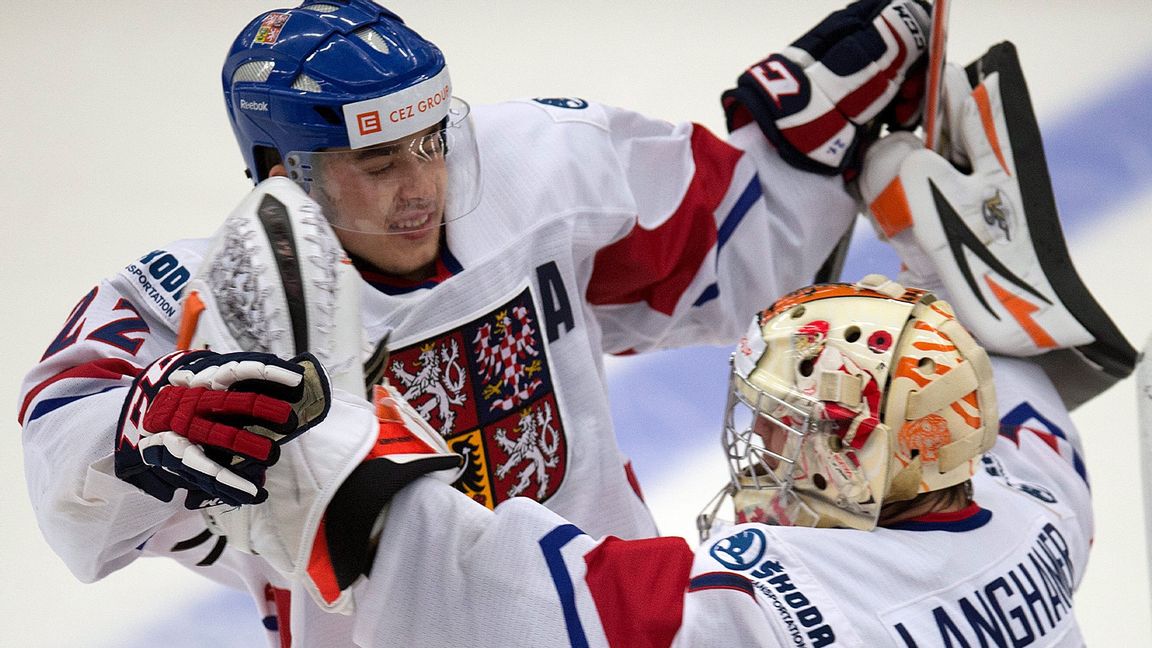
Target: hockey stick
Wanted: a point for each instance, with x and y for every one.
(937, 41)
(934, 93)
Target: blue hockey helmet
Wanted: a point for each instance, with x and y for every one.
(340, 75)
(291, 72)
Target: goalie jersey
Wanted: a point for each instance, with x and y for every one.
(1000, 572)
(598, 231)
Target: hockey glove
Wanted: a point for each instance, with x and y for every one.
(212, 423)
(329, 492)
(980, 227)
(815, 99)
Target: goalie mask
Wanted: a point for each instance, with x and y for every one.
(845, 397)
(358, 107)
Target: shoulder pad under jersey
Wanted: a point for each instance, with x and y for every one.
(158, 277)
(570, 109)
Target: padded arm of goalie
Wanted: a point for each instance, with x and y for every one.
(300, 486)
(330, 488)
(352, 516)
(980, 227)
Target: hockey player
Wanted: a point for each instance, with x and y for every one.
(881, 499)
(892, 483)
(501, 250)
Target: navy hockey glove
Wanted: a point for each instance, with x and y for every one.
(212, 423)
(815, 99)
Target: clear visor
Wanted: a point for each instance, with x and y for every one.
(407, 185)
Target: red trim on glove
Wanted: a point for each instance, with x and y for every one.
(190, 412)
(861, 98)
(816, 133)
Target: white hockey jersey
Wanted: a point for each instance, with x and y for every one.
(1000, 572)
(598, 230)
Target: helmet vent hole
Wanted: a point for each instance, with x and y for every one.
(819, 481)
(253, 72)
(806, 367)
(305, 83)
(329, 115)
(927, 365)
(852, 333)
(879, 341)
(797, 312)
(321, 7)
(373, 39)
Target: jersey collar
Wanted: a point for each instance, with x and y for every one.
(446, 266)
(966, 519)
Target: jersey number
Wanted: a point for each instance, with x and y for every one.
(114, 333)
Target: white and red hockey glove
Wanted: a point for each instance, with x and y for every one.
(212, 423)
(329, 492)
(814, 99)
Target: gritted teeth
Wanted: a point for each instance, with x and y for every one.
(411, 223)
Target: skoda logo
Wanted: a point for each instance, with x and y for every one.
(740, 551)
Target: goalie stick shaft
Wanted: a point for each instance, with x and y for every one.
(933, 97)
(937, 43)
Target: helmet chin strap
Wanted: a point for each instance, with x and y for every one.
(773, 506)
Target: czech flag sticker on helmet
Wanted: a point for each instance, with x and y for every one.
(270, 29)
(396, 115)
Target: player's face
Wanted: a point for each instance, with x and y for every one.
(774, 438)
(386, 203)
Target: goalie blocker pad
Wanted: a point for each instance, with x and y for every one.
(1110, 357)
(276, 280)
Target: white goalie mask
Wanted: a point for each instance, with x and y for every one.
(844, 397)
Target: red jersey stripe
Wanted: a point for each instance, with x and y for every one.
(639, 616)
(106, 368)
(657, 265)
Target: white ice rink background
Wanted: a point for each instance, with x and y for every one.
(114, 140)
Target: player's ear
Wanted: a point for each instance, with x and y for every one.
(278, 170)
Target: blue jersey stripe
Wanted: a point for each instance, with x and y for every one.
(49, 405)
(721, 580)
(752, 193)
(551, 545)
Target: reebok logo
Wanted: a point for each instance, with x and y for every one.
(260, 106)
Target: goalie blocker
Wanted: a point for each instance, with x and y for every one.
(277, 281)
(979, 222)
